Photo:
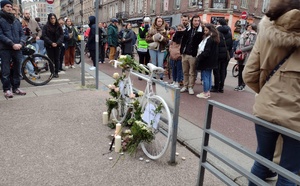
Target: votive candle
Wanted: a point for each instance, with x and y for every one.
(118, 128)
(117, 143)
(105, 118)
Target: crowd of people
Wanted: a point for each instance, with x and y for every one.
(56, 39)
(194, 46)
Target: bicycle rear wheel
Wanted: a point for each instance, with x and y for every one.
(162, 130)
(235, 70)
(37, 70)
(77, 55)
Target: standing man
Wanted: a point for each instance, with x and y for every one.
(12, 39)
(112, 33)
(189, 47)
(185, 20)
(142, 45)
(36, 32)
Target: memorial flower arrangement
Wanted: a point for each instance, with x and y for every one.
(139, 132)
(114, 91)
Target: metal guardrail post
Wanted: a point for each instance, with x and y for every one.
(82, 60)
(175, 125)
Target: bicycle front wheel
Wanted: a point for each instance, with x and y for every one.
(122, 110)
(235, 70)
(160, 124)
(37, 70)
(77, 55)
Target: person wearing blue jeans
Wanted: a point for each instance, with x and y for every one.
(266, 143)
(157, 58)
(207, 58)
(177, 74)
(272, 72)
(157, 39)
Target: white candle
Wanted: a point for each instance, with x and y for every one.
(118, 128)
(117, 143)
(105, 118)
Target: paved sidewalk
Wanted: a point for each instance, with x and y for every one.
(54, 136)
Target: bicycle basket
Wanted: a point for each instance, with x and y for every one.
(28, 50)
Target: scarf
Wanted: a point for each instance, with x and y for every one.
(9, 17)
(202, 45)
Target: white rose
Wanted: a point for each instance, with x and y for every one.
(116, 75)
(140, 93)
(117, 89)
(122, 57)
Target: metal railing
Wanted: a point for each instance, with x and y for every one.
(207, 149)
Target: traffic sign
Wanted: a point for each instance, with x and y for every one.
(244, 15)
(50, 1)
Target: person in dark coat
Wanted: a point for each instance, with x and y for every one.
(91, 43)
(53, 38)
(225, 47)
(12, 40)
(127, 40)
(65, 43)
(207, 58)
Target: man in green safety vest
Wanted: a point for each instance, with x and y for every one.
(142, 45)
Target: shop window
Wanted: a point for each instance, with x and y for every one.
(219, 4)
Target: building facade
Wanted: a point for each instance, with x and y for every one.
(171, 10)
(38, 8)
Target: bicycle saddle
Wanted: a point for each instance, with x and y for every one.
(155, 69)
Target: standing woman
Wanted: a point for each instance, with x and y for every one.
(278, 98)
(127, 39)
(70, 51)
(157, 39)
(246, 43)
(207, 58)
(53, 39)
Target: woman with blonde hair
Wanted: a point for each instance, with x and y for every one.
(157, 39)
(273, 72)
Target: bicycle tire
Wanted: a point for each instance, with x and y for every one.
(77, 55)
(39, 65)
(120, 113)
(163, 132)
(235, 70)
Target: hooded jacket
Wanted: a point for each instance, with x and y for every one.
(278, 100)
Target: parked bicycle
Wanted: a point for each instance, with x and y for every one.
(235, 70)
(150, 102)
(36, 69)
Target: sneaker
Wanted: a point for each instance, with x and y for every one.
(191, 91)
(176, 85)
(56, 76)
(271, 176)
(241, 88)
(92, 68)
(203, 95)
(72, 66)
(237, 88)
(66, 67)
(19, 92)
(8, 94)
(183, 89)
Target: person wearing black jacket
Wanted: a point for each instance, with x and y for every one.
(190, 41)
(225, 47)
(207, 58)
(12, 40)
(53, 39)
(91, 43)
